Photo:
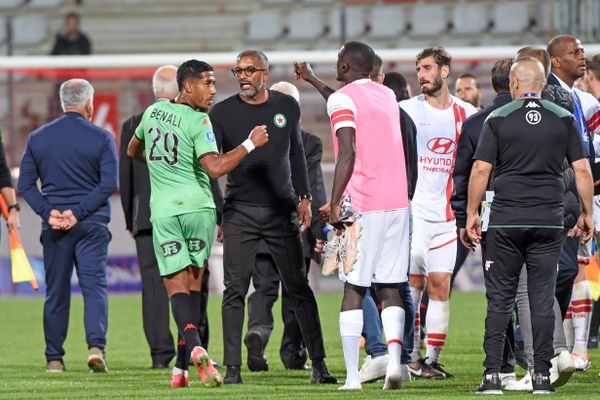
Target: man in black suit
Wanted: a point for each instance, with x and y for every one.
(135, 198)
(266, 281)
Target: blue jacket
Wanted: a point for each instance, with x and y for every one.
(76, 163)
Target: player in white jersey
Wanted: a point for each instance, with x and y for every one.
(438, 117)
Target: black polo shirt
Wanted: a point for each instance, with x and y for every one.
(527, 140)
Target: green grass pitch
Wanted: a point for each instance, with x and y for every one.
(22, 374)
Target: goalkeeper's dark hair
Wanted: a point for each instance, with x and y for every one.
(191, 69)
(559, 96)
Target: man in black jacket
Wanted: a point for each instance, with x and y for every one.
(266, 280)
(267, 204)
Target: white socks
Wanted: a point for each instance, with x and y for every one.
(351, 323)
(416, 295)
(392, 319)
(580, 310)
(438, 315)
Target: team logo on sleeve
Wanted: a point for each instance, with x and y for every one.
(210, 136)
(280, 120)
(533, 117)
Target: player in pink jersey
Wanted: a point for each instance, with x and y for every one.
(370, 169)
(438, 117)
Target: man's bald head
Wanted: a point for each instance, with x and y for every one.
(536, 52)
(556, 45)
(527, 75)
(164, 82)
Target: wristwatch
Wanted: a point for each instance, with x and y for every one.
(305, 197)
(16, 206)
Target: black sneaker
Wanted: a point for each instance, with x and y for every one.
(541, 384)
(233, 375)
(320, 374)
(256, 348)
(438, 368)
(491, 384)
(421, 370)
(592, 342)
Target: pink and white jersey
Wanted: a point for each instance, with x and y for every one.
(437, 139)
(378, 182)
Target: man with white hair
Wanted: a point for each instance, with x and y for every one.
(134, 184)
(266, 280)
(76, 163)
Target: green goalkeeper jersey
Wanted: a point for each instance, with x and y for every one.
(175, 137)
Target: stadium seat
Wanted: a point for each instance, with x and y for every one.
(29, 30)
(10, 4)
(265, 25)
(387, 22)
(510, 18)
(271, 2)
(428, 20)
(548, 18)
(469, 19)
(2, 30)
(305, 24)
(45, 3)
(355, 23)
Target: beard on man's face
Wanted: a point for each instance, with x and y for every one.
(435, 86)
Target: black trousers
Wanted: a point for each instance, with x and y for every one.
(155, 302)
(568, 268)
(506, 251)
(260, 309)
(244, 227)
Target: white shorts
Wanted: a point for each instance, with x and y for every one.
(596, 214)
(433, 247)
(383, 250)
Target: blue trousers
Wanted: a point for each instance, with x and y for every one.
(372, 327)
(85, 246)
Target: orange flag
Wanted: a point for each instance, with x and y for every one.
(592, 274)
(20, 267)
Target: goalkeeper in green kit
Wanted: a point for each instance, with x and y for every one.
(175, 138)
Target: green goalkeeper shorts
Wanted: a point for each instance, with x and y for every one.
(183, 240)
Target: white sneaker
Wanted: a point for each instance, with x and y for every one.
(393, 380)
(405, 373)
(525, 384)
(562, 368)
(351, 386)
(508, 380)
(373, 368)
(581, 363)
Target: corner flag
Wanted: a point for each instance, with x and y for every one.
(20, 267)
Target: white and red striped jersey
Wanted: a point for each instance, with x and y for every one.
(437, 139)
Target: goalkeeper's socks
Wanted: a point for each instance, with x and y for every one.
(182, 361)
(184, 318)
(196, 303)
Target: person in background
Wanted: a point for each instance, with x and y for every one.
(76, 163)
(467, 88)
(71, 41)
